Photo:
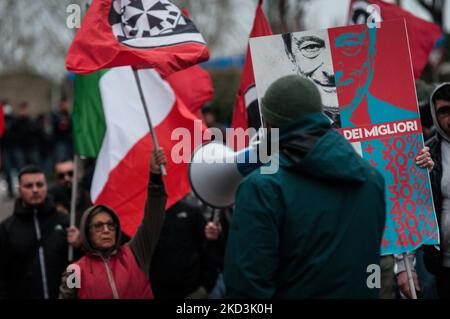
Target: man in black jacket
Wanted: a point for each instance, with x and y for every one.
(182, 266)
(33, 244)
(61, 192)
(24, 131)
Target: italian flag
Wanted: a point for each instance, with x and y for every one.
(110, 124)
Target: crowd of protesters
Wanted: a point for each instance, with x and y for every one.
(192, 251)
(35, 266)
(42, 141)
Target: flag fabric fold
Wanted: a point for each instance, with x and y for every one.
(422, 34)
(194, 99)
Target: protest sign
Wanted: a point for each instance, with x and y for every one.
(366, 82)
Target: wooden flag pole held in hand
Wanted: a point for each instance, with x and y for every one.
(147, 115)
(73, 200)
(412, 287)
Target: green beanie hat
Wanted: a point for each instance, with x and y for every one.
(288, 98)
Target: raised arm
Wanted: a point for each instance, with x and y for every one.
(146, 238)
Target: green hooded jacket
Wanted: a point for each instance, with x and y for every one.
(311, 229)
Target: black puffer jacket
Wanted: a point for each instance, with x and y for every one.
(21, 273)
(182, 263)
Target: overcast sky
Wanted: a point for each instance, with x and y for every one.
(32, 36)
(325, 13)
(319, 14)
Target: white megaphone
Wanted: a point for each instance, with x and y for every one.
(215, 172)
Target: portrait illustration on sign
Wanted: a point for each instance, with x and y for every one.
(365, 78)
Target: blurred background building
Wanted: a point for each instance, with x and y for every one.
(35, 39)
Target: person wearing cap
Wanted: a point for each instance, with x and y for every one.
(111, 271)
(311, 229)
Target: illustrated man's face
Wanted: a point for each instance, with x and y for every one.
(354, 57)
(64, 173)
(311, 56)
(102, 231)
(443, 115)
(33, 189)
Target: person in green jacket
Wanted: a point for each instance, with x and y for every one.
(312, 229)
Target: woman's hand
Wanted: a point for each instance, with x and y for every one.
(213, 230)
(157, 159)
(73, 237)
(424, 160)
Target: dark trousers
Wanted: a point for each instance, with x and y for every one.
(387, 277)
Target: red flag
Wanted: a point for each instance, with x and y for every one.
(139, 33)
(2, 120)
(183, 82)
(246, 109)
(422, 34)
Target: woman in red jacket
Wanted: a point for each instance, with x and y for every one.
(111, 271)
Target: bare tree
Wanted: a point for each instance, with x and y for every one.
(287, 15)
(34, 36)
(435, 8)
(211, 17)
(283, 7)
(225, 24)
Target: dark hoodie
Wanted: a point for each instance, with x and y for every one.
(433, 258)
(435, 151)
(21, 273)
(142, 244)
(311, 229)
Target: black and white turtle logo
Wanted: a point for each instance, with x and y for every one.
(151, 23)
(363, 12)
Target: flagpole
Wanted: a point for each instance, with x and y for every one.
(73, 200)
(147, 116)
(412, 287)
(214, 216)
